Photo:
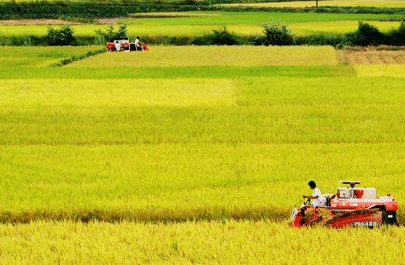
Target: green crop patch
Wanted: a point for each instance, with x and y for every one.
(185, 155)
(109, 93)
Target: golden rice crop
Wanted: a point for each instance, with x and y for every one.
(110, 93)
(227, 242)
(245, 56)
(380, 70)
(192, 170)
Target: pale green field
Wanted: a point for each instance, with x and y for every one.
(322, 3)
(99, 127)
(304, 28)
(342, 27)
(197, 160)
(200, 23)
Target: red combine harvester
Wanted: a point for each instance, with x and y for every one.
(124, 45)
(351, 206)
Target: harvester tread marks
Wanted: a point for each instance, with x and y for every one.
(332, 219)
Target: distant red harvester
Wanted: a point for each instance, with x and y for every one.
(351, 206)
(124, 45)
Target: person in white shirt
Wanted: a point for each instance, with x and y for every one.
(318, 199)
(138, 44)
(117, 46)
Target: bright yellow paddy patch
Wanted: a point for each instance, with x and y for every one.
(163, 56)
(380, 70)
(109, 92)
(227, 242)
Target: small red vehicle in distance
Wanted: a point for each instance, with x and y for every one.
(124, 45)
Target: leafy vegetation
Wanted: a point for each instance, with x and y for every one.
(187, 28)
(277, 34)
(63, 36)
(110, 35)
(220, 37)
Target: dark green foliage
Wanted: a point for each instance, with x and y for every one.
(26, 40)
(323, 9)
(322, 39)
(110, 35)
(397, 36)
(273, 34)
(219, 37)
(63, 36)
(89, 9)
(81, 57)
(365, 35)
(277, 34)
(256, 39)
(92, 10)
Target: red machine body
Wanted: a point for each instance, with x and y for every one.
(349, 207)
(124, 45)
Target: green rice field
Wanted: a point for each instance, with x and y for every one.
(327, 3)
(199, 23)
(180, 155)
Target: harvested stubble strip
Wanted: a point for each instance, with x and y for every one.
(143, 215)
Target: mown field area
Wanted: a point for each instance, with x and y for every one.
(182, 155)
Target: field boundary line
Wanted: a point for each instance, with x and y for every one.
(72, 59)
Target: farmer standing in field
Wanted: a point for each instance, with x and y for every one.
(117, 46)
(316, 194)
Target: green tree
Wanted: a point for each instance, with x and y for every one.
(277, 34)
(110, 35)
(63, 36)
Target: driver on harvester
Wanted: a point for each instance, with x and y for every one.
(316, 197)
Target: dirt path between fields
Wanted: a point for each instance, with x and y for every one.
(22, 22)
(19, 22)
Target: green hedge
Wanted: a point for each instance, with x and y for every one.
(272, 35)
(58, 9)
(92, 10)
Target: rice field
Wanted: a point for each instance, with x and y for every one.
(200, 23)
(227, 242)
(238, 56)
(327, 3)
(138, 158)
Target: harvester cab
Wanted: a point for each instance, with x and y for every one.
(350, 206)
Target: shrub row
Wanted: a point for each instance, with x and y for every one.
(323, 9)
(81, 57)
(81, 9)
(273, 34)
(76, 9)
